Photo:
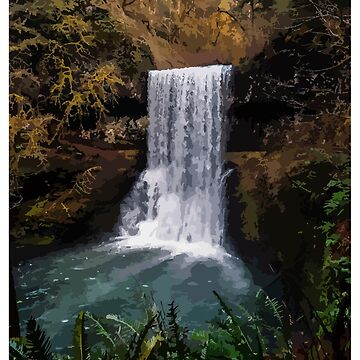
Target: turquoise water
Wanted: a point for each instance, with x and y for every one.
(110, 278)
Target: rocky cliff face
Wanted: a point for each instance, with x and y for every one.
(262, 180)
(79, 197)
(288, 211)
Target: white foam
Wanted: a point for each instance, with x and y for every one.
(196, 250)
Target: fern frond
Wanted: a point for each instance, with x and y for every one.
(172, 320)
(17, 351)
(101, 331)
(37, 343)
(149, 346)
(122, 322)
(275, 308)
(238, 333)
(177, 334)
(260, 341)
(137, 343)
(85, 180)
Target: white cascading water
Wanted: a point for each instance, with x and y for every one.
(180, 196)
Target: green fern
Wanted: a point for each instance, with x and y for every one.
(117, 319)
(101, 331)
(234, 328)
(260, 342)
(176, 334)
(138, 341)
(275, 308)
(37, 343)
(17, 351)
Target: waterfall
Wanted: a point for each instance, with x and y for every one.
(180, 196)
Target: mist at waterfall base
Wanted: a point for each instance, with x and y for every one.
(171, 235)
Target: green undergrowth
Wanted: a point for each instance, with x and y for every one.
(235, 334)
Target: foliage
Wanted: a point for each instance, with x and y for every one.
(332, 203)
(301, 202)
(302, 76)
(35, 345)
(236, 337)
(84, 181)
(29, 139)
(259, 334)
(70, 63)
(17, 350)
(81, 348)
(336, 268)
(75, 69)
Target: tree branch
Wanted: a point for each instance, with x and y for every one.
(231, 16)
(124, 4)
